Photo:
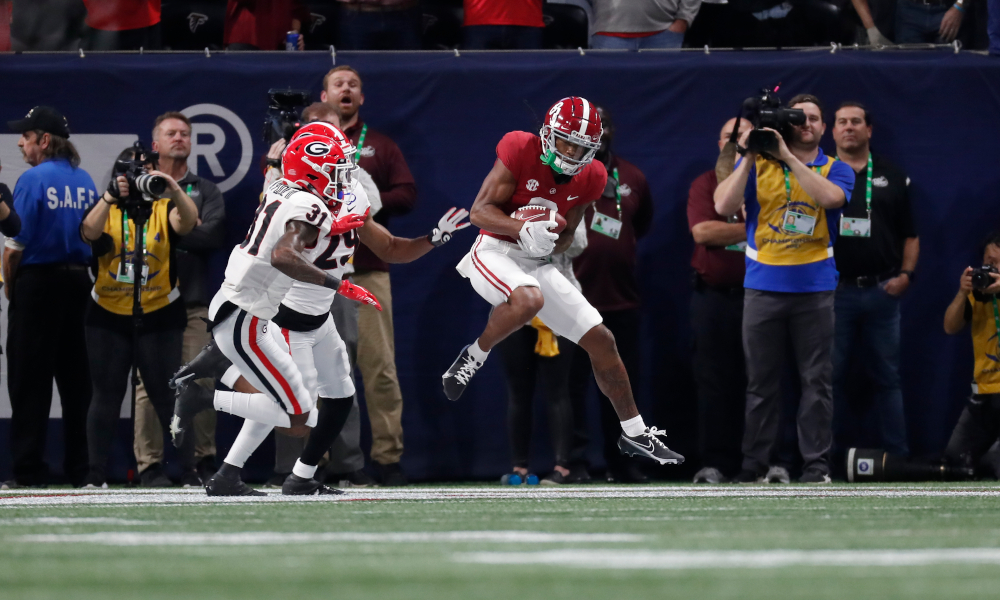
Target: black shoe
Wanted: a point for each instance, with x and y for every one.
(579, 474)
(391, 475)
(154, 477)
(210, 363)
(626, 473)
(300, 486)
(457, 377)
(191, 479)
(748, 476)
(815, 476)
(222, 485)
(648, 444)
(358, 479)
(189, 400)
(206, 467)
(276, 480)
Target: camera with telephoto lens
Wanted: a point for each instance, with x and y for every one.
(141, 185)
(765, 110)
(981, 277)
(284, 114)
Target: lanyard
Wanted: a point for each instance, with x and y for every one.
(361, 143)
(788, 183)
(618, 195)
(996, 315)
(125, 236)
(868, 203)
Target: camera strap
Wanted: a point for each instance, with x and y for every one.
(361, 143)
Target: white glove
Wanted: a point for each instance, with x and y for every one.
(875, 37)
(536, 239)
(447, 225)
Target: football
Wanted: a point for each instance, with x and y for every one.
(540, 213)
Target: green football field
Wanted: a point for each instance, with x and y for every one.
(462, 542)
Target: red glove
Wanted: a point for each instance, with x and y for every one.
(347, 223)
(356, 292)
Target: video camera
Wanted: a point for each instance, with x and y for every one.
(141, 185)
(284, 114)
(765, 110)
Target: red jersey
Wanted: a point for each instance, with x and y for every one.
(525, 13)
(521, 153)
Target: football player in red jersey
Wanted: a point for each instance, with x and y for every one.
(508, 263)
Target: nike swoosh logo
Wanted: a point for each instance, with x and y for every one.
(649, 449)
(571, 198)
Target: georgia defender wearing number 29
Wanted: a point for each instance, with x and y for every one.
(508, 267)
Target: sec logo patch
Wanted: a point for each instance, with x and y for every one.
(532, 185)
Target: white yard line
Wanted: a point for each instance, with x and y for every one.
(198, 497)
(757, 559)
(267, 538)
(73, 521)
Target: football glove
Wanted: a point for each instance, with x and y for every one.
(449, 224)
(358, 293)
(342, 225)
(536, 239)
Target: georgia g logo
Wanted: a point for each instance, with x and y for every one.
(317, 148)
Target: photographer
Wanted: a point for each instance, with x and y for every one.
(793, 198)
(976, 303)
(109, 228)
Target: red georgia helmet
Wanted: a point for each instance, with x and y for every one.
(323, 128)
(317, 164)
(576, 121)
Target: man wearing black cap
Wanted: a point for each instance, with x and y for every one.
(45, 267)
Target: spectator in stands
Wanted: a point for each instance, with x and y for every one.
(172, 139)
(874, 36)
(263, 24)
(792, 205)
(122, 25)
(717, 318)
(930, 21)
(641, 24)
(47, 25)
(493, 25)
(876, 253)
(45, 270)
(381, 157)
(979, 424)
(113, 235)
(534, 353)
(606, 270)
(379, 24)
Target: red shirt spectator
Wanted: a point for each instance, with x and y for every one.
(606, 269)
(122, 15)
(525, 13)
(262, 23)
(717, 266)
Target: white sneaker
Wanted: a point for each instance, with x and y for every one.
(777, 474)
(709, 475)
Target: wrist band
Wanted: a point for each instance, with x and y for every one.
(331, 282)
(958, 7)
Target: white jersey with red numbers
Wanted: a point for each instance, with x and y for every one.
(335, 252)
(251, 282)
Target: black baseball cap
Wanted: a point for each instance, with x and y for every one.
(44, 118)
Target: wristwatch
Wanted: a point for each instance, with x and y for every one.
(909, 275)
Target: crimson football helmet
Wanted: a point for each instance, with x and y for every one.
(317, 164)
(329, 130)
(576, 121)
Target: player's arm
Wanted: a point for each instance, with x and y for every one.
(497, 189)
(573, 217)
(287, 256)
(390, 248)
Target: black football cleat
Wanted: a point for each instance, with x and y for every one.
(300, 486)
(648, 444)
(210, 363)
(189, 400)
(457, 377)
(229, 485)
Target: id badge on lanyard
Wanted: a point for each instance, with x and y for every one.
(794, 221)
(858, 227)
(610, 226)
(126, 270)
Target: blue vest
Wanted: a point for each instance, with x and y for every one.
(51, 199)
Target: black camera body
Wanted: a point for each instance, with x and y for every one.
(981, 277)
(141, 185)
(284, 113)
(765, 110)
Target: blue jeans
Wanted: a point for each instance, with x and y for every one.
(916, 23)
(867, 320)
(384, 30)
(993, 26)
(501, 37)
(664, 39)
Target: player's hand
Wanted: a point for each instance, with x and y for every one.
(447, 225)
(536, 239)
(358, 293)
(118, 187)
(965, 283)
(348, 222)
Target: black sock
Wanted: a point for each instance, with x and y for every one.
(332, 416)
(229, 471)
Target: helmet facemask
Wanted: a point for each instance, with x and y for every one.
(563, 163)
